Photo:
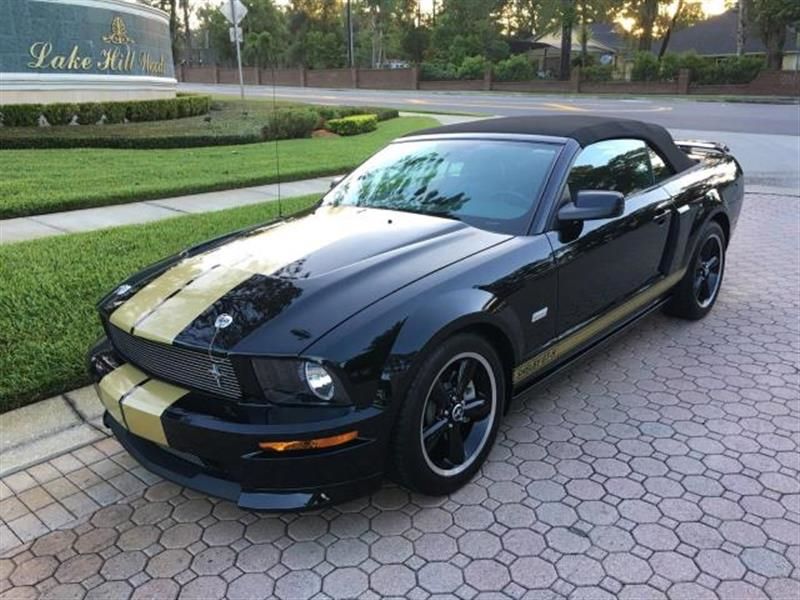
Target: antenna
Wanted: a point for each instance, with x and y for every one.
(277, 151)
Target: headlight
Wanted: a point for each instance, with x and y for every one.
(319, 381)
(288, 381)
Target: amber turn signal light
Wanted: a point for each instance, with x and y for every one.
(314, 444)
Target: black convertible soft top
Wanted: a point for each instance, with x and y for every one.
(583, 129)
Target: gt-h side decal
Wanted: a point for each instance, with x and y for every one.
(573, 340)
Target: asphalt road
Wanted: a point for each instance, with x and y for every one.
(765, 138)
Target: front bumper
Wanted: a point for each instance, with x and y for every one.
(212, 445)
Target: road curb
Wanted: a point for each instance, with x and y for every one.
(44, 430)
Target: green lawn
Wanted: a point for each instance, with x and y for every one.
(42, 181)
(50, 287)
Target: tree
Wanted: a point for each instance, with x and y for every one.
(468, 28)
(771, 19)
(687, 12)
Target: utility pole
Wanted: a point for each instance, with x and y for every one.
(350, 50)
(238, 49)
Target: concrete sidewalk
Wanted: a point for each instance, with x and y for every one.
(73, 221)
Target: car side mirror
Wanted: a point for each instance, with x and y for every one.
(593, 204)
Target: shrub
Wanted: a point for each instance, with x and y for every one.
(289, 123)
(89, 113)
(645, 67)
(337, 112)
(516, 68)
(21, 115)
(472, 67)
(353, 125)
(736, 69)
(27, 115)
(115, 111)
(59, 114)
(434, 71)
(597, 73)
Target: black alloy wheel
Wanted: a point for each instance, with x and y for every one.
(449, 418)
(699, 289)
(458, 414)
(708, 271)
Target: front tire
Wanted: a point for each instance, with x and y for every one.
(696, 294)
(449, 419)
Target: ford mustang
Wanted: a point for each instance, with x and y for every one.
(386, 331)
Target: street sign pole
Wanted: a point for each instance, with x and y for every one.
(238, 49)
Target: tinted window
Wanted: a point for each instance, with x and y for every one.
(490, 184)
(661, 170)
(617, 165)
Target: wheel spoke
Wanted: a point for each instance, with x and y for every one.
(477, 409)
(455, 445)
(705, 289)
(439, 395)
(433, 433)
(712, 263)
(466, 371)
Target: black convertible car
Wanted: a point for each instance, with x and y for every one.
(388, 329)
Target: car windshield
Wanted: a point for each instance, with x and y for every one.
(490, 184)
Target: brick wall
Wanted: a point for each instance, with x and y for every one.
(387, 79)
(768, 83)
(330, 78)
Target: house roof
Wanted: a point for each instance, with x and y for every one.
(553, 40)
(716, 36)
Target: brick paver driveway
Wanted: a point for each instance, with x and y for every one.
(667, 465)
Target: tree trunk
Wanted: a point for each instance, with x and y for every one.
(741, 27)
(187, 30)
(649, 12)
(774, 40)
(173, 27)
(584, 35)
(668, 33)
(566, 39)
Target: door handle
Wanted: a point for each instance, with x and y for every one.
(661, 216)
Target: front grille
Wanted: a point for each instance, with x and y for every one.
(189, 368)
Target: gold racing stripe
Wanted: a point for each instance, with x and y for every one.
(144, 406)
(156, 292)
(587, 332)
(115, 385)
(169, 303)
(176, 313)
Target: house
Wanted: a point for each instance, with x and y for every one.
(716, 37)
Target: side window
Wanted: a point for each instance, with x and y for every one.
(661, 170)
(615, 165)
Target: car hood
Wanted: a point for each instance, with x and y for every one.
(278, 288)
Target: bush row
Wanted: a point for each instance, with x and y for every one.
(704, 70)
(353, 125)
(89, 113)
(328, 113)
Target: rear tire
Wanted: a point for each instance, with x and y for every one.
(696, 294)
(449, 419)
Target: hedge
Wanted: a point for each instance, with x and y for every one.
(87, 113)
(338, 112)
(736, 69)
(353, 125)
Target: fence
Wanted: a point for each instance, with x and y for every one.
(768, 83)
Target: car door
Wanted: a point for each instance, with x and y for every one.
(603, 262)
